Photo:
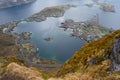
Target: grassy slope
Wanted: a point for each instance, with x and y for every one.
(94, 50)
(7, 45)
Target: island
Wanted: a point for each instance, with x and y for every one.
(55, 11)
(11, 3)
(86, 30)
(103, 6)
(48, 39)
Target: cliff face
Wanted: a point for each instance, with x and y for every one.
(115, 55)
(10, 3)
(97, 58)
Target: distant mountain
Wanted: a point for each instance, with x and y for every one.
(10, 3)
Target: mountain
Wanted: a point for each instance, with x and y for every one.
(11, 3)
(98, 59)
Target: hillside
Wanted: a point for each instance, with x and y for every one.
(93, 58)
(7, 45)
(97, 60)
(23, 73)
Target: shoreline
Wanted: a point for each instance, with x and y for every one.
(17, 4)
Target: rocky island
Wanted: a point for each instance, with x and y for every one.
(103, 6)
(86, 30)
(55, 11)
(49, 39)
(11, 3)
(107, 7)
(96, 60)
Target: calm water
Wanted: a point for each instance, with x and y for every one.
(63, 45)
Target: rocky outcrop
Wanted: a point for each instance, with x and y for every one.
(10, 3)
(18, 72)
(7, 45)
(115, 55)
(7, 40)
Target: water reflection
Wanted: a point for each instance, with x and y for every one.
(60, 48)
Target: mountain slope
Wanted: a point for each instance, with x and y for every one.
(23, 73)
(92, 58)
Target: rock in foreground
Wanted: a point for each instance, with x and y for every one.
(17, 72)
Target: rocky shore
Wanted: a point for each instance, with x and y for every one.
(11, 3)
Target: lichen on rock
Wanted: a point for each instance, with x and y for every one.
(115, 55)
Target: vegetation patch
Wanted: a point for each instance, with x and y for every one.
(90, 54)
